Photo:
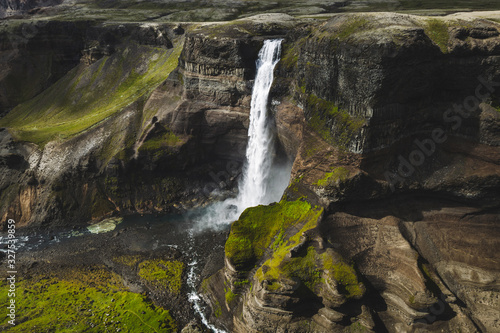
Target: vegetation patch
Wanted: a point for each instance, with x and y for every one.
(128, 260)
(86, 300)
(230, 296)
(338, 174)
(163, 274)
(217, 309)
(88, 95)
(335, 125)
(163, 140)
(350, 27)
(311, 268)
(344, 274)
(256, 228)
(437, 30)
(291, 53)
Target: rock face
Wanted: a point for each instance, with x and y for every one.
(397, 143)
(391, 215)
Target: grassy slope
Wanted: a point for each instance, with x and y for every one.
(88, 95)
(84, 301)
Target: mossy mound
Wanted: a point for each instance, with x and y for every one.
(83, 301)
(256, 228)
(88, 95)
(163, 274)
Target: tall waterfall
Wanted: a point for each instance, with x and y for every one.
(262, 182)
(254, 186)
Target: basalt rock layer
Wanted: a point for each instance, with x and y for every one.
(390, 218)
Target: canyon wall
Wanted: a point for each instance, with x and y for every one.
(390, 218)
(394, 133)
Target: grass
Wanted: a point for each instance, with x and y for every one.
(163, 274)
(349, 28)
(437, 30)
(89, 300)
(165, 139)
(338, 174)
(88, 95)
(256, 228)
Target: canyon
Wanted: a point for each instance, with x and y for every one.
(389, 222)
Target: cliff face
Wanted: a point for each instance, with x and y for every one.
(392, 121)
(390, 219)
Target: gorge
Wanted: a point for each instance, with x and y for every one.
(387, 221)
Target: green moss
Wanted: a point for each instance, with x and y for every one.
(335, 125)
(310, 267)
(230, 296)
(291, 53)
(338, 174)
(163, 273)
(305, 268)
(165, 139)
(217, 309)
(357, 327)
(72, 104)
(273, 286)
(276, 267)
(252, 234)
(241, 283)
(345, 275)
(437, 30)
(89, 301)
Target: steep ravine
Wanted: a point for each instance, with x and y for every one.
(390, 219)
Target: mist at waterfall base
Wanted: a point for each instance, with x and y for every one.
(264, 177)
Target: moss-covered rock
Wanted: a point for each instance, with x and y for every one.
(257, 227)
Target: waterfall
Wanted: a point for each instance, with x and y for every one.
(254, 186)
(261, 182)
